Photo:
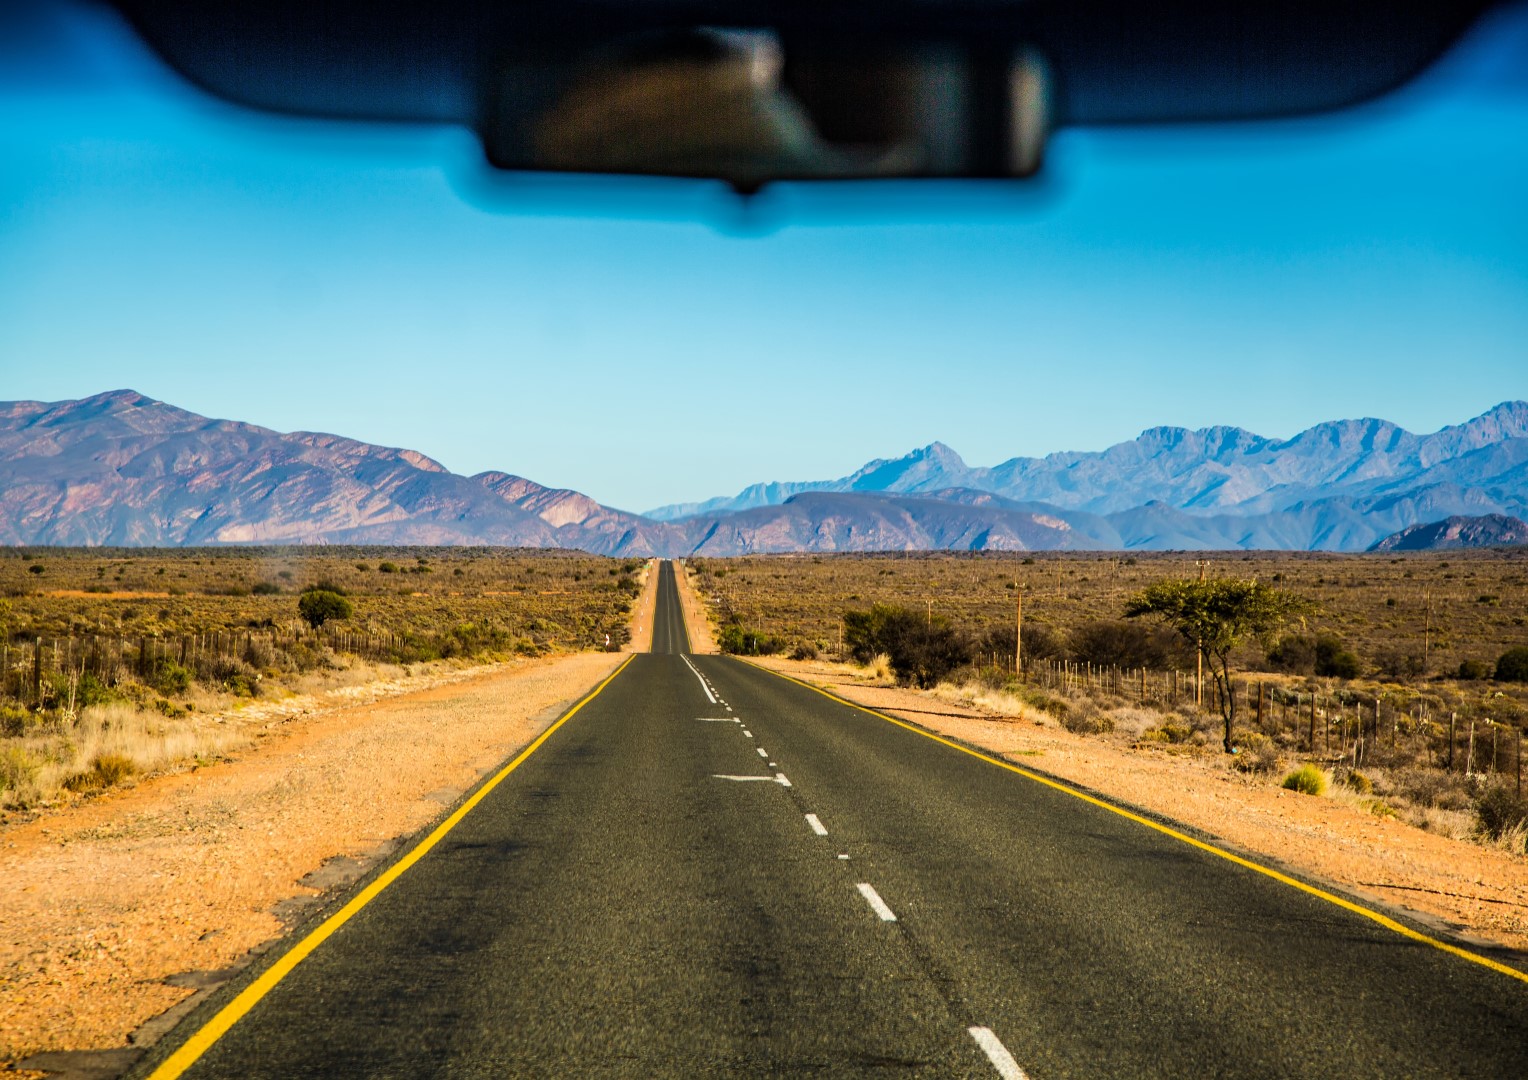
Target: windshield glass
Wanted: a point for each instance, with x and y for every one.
(376, 281)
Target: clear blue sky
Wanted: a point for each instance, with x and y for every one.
(640, 347)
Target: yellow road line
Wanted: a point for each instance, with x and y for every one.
(1331, 898)
(199, 1043)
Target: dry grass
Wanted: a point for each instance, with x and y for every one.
(1392, 609)
(104, 715)
(149, 741)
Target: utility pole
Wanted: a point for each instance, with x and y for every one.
(1018, 628)
(1199, 650)
(1426, 628)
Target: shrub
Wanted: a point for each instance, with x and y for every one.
(14, 720)
(170, 678)
(36, 568)
(1335, 659)
(1357, 781)
(922, 650)
(1256, 753)
(738, 640)
(1040, 643)
(1512, 665)
(1431, 788)
(804, 651)
(107, 770)
(323, 605)
(1295, 654)
(1307, 779)
(17, 768)
(1124, 644)
(1499, 810)
(1474, 669)
(1087, 720)
(1046, 703)
(266, 588)
(1170, 730)
(325, 585)
(1325, 654)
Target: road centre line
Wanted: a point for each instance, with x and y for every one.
(748, 733)
(817, 826)
(725, 776)
(762, 752)
(781, 780)
(1066, 789)
(878, 905)
(997, 1053)
(709, 696)
(202, 1040)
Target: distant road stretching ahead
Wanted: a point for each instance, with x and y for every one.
(709, 870)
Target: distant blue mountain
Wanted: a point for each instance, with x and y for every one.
(123, 469)
(1340, 485)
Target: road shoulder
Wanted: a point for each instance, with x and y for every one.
(129, 905)
(696, 624)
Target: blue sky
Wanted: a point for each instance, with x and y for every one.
(637, 343)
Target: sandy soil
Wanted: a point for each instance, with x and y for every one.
(110, 902)
(695, 621)
(644, 611)
(1476, 891)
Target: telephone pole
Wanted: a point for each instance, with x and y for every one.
(1018, 628)
(1199, 650)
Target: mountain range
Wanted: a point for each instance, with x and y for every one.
(120, 468)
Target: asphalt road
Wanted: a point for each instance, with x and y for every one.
(693, 877)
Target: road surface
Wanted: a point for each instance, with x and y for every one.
(709, 870)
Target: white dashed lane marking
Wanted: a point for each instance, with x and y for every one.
(817, 826)
(998, 1054)
(878, 905)
(709, 696)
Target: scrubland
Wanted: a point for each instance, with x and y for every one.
(117, 663)
(1383, 692)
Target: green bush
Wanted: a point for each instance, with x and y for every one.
(1325, 654)
(319, 606)
(1498, 810)
(266, 588)
(740, 641)
(922, 649)
(1335, 659)
(170, 678)
(1307, 779)
(1358, 782)
(1123, 643)
(1474, 669)
(1512, 665)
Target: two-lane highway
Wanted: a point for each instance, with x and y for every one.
(709, 870)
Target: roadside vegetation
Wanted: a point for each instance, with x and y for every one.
(1398, 684)
(116, 663)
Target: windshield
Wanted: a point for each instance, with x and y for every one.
(376, 281)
